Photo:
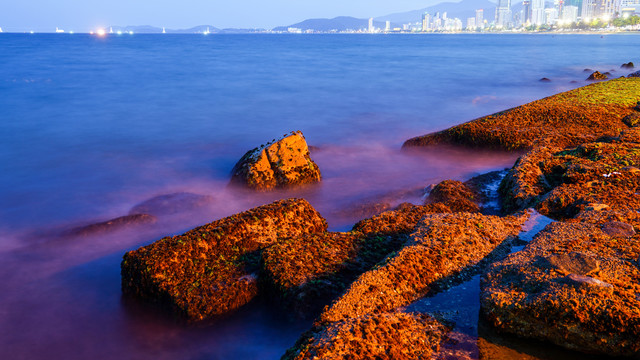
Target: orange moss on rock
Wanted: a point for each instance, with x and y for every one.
(374, 336)
(305, 273)
(400, 221)
(573, 285)
(442, 245)
(208, 271)
(284, 163)
(566, 119)
(456, 195)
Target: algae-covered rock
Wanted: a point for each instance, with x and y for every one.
(455, 195)
(402, 220)
(283, 164)
(305, 273)
(596, 75)
(566, 119)
(379, 336)
(573, 285)
(210, 270)
(525, 181)
(442, 245)
(113, 225)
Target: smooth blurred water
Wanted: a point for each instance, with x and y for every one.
(91, 126)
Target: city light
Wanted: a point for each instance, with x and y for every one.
(101, 32)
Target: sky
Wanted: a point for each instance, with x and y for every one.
(85, 15)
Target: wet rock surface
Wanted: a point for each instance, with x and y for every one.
(284, 163)
(113, 225)
(172, 204)
(211, 269)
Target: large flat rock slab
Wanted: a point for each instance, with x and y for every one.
(566, 119)
(573, 285)
(209, 270)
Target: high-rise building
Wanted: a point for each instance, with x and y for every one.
(537, 12)
(570, 13)
(628, 4)
(600, 9)
(387, 26)
(503, 13)
(526, 12)
(480, 18)
(426, 19)
(471, 24)
(551, 16)
(371, 28)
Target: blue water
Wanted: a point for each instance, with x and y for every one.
(90, 126)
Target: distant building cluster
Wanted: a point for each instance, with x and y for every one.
(538, 13)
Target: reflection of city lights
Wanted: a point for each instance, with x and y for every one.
(101, 32)
(119, 32)
(130, 32)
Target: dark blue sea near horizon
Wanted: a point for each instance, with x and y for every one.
(91, 126)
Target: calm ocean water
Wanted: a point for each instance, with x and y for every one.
(89, 127)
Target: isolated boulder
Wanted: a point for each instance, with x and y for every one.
(596, 75)
(283, 163)
(211, 269)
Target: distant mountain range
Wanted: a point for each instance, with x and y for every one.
(462, 10)
(341, 23)
(147, 29)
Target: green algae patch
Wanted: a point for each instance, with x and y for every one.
(566, 119)
(209, 270)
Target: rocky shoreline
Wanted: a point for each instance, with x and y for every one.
(575, 284)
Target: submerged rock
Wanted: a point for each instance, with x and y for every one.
(634, 74)
(544, 79)
(172, 204)
(380, 336)
(113, 225)
(585, 300)
(209, 270)
(628, 65)
(280, 164)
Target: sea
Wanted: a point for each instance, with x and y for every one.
(92, 126)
